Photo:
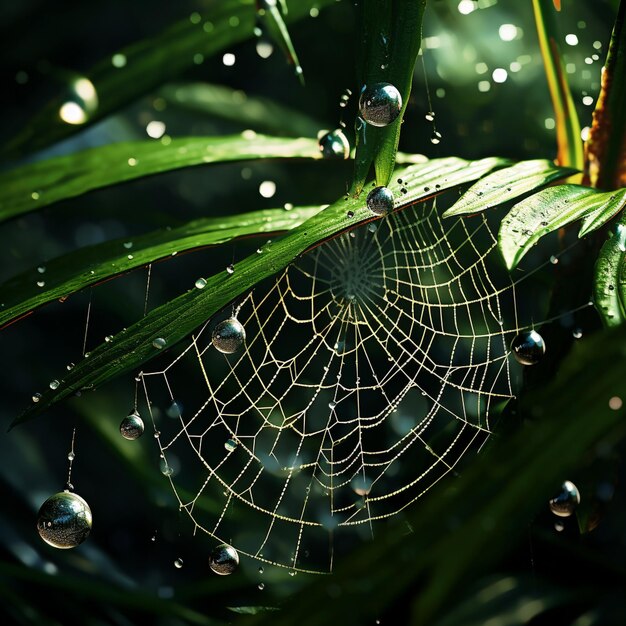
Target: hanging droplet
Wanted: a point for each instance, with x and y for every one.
(166, 468)
(261, 586)
(528, 347)
(178, 563)
(566, 502)
(230, 445)
(372, 227)
(361, 485)
(224, 559)
(430, 116)
(174, 410)
(64, 520)
(577, 333)
(229, 335)
(159, 343)
(380, 200)
(132, 426)
(200, 283)
(71, 456)
(261, 570)
(380, 104)
(334, 145)
(435, 138)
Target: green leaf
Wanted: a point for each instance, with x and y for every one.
(176, 319)
(252, 610)
(474, 519)
(260, 114)
(507, 184)
(391, 35)
(271, 19)
(89, 266)
(548, 210)
(604, 213)
(609, 285)
(151, 63)
(40, 184)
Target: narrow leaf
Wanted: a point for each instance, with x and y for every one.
(546, 211)
(40, 184)
(609, 286)
(151, 63)
(615, 203)
(260, 114)
(89, 266)
(178, 318)
(507, 184)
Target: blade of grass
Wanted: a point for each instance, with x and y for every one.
(151, 63)
(89, 266)
(569, 143)
(176, 319)
(40, 184)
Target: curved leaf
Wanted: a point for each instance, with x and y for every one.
(605, 212)
(178, 318)
(88, 266)
(40, 184)
(254, 112)
(152, 62)
(507, 184)
(609, 285)
(548, 210)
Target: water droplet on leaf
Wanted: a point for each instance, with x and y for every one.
(380, 104)
(334, 145)
(159, 343)
(380, 200)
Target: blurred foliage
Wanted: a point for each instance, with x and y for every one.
(483, 548)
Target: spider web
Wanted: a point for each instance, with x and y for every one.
(371, 365)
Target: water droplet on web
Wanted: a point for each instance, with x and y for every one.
(200, 283)
(157, 434)
(229, 335)
(178, 563)
(224, 560)
(174, 410)
(435, 138)
(261, 586)
(577, 333)
(54, 384)
(230, 268)
(41, 269)
(361, 485)
(230, 445)
(372, 227)
(41, 283)
(528, 347)
(430, 116)
(380, 104)
(334, 145)
(166, 468)
(554, 260)
(132, 426)
(159, 343)
(71, 456)
(292, 572)
(566, 501)
(380, 200)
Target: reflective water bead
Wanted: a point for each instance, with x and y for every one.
(54, 384)
(174, 410)
(132, 426)
(178, 563)
(64, 520)
(230, 445)
(334, 145)
(224, 559)
(261, 586)
(228, 336)
(200, 283)
(566, 502)
(159, 343)
(380, 104)
(430, 116)
(230, 268)
(380, 200)
(528, 347)
(36, 397)
(71, 456)
(435, 138)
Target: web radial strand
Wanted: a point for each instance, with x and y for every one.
(371, 365)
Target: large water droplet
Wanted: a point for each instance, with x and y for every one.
(566, 501)
(380, 200)
(528, 347)
(132, 426)
(64, 520)
(224, 559)
(159, 343)
(228, 336)
(334, 145)
(200, 283)
(380, 104)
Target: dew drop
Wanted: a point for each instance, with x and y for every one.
(566, 501)
(380, 104)
(230, 445)
(332, 404)
(64, 520)
(230, 268)
(430, 116)
(229, 335)
(372, 227)
(361, 485)
(174, 410)
(200, 283)
(71, 456)
(159, 343)
(435, 138)
(577, 333)
(350, 214)
(528, 347)
(380, 200)
(54, 384)
(41, 269)
(261, 586)
(178, 563)
(132, 426)
(224, 560)
(36, 397)
(41, 283)
(620, 234)
(334, 145)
